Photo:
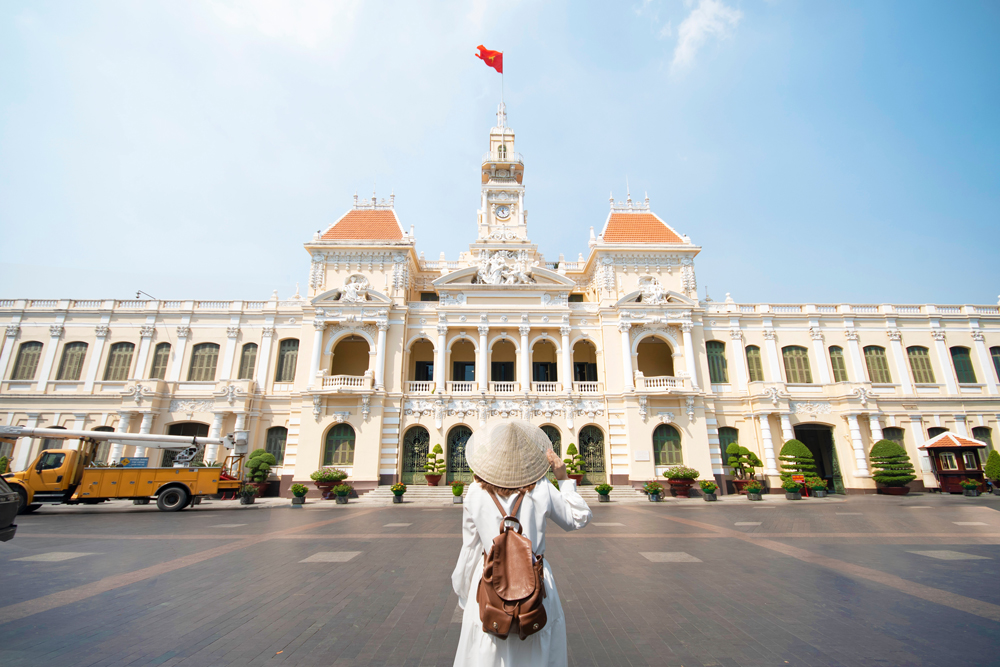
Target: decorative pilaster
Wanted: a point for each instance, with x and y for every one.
(315, 376)
(623, 328)
(440, 374)
(875, 425)
(525, 372)
(146, 333)
(770, 463)
(124, 421)
(482, 354)
(944, 361)
(986, 369)
(380, 356)
(55, 333)
(896, 350)
(787, 432)
(690, 363)
(102, 332)
(819, 352)
(177, 353)
(228, 360)
(860, 462)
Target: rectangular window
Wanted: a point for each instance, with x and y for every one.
(837, 363)
(543, 371)
(717, 371)
(288, 354)
(796, 365)
(204, 358)
(424, 371)
(71, 365)
(576, 298)
(995, 353)
(754, 365)
(27, 361)
(894, 434)
(920, 365)
(161, 355)
(464, 371)
(584, 372)
(969, 459)
(947, 461)
(963, 365)
(248, 361)
(878, 365)
(502, 371)
(119, 362)
(429, 296)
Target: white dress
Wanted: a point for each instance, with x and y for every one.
(480, 524)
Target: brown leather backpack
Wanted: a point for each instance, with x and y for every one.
(511, 590)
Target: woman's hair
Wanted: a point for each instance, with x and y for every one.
(501, 491)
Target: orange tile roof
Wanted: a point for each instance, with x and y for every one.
(951, 440)
(638, 228)
(361, 224)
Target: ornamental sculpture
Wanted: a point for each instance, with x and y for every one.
(652, 292)
(503, 267)
(355, 289)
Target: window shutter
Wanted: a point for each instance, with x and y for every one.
(878, 364)
(796, 365)
(158, 371)
(963, 365)
(838, 364)
(71, 365)
(754, 365)
(119, 362)
(204, 358)
(275, 444)
(27, 361)
(288, 353)
(920, 365)
(248, 360)
(666, 446)
(717, 371)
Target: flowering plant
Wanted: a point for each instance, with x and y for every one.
(299, 490)
(790, 486)
(457, 487)
(603, 489)
(342, 490)
(681, 472)
(328, 475)
(708, 486)
(247, 491)
(753, 486)
(969, 484)
(653, 488)
(816, 484)
(398, 489)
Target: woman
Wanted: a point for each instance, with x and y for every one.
(507, 458)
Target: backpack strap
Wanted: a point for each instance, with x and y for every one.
(513, 511)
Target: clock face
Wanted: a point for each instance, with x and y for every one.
(503, 212)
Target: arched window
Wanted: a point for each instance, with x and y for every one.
(187, 429)
(339, 448)
(275, 443)
(667, 446)
(727, 436)
(161, 355)
(288, 355)
(717, 371)
(458, 465)
(985, 434)
(995, 353)
(554, 437)
(204, 358)
(754, 365)
(894, 434)
(837, 363)
(248, 360)
(103, 447)
(27, 361)
(71, 364)
(53, 443)
(934, 431)
(920, 364)
(963, 365)
(119, 362)
(796, 365)
(502, 151)
(878, 365)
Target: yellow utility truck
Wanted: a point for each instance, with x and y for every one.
(69, 476)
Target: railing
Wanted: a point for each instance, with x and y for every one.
(787, 309)
(461, 387)
(254, 305)
(420, 387)
(587, 387)
(545, 387)
(214, 305)
(43, 303)
(503, 387)
(503, 156)
(131, 303)
(92, 303)
(437, 265)
(347, 382)
(662, 382)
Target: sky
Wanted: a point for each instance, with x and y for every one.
(818, 151)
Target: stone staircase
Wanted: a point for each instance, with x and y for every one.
(441, 496)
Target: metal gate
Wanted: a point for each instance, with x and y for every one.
(415, 449)
(592, 450)
(458, 467)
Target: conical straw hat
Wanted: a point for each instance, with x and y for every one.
(509, 454)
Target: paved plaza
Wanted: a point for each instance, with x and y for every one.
(837, 581)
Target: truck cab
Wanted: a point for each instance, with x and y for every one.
(52, 477)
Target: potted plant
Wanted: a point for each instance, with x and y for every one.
(327, 478)
(743, 462)
(708, 489)
(259, 467)
(603, 493)
(246, 493)
(299, 492)
(754, 489)
(680, 479)
(992, 470)
(971, 487)
(653, 490)
(893, 470)
(574, 464)
(457, 487)
(791, 490)
(816, 486)
(436, 466)
(342, 491)
(398, 489)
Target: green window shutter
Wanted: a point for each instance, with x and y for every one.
(275, 443)
(838, 364)
(717, 372)
(27, 361)
(754, 365)
(920, 364)
(995, 353)
(963, 365)
(878, 364)
(204, 359)
(248, 359)
(158, 371)
(985, 434)
(71, 365)
(667, 446)
(339, 449)
(894, 434)
(796, 365)
(288, 354)
(727, 436)
(119, 362)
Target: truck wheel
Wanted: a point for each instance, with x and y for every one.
(22, 500)
(172, 500)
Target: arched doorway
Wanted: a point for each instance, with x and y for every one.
(554, 437)
(339, 448)
(458, 467)
(416, 446)
(592, 450)
(350, 356)
(190, 430)
(654, 357)
(819, 439)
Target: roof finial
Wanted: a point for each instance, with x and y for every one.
(628, 192)
(611, 198)
(502, 115)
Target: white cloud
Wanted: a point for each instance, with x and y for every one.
(710, 18)
(666, 31)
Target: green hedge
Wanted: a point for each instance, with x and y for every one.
(796, 459)
(892, 465)
(992, 468)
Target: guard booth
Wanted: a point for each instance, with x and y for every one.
(955, 458)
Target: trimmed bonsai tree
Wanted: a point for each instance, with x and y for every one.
(892, 465)
(574, 462)
(259, 465)
(435, 462)
(992, 469)
(796, 459)
(742, 461)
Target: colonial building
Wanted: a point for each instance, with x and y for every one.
(389, 353)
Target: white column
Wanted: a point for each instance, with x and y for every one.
(524, 374)
(917, 433)
(860, 462)
(854, 352)
(567, 359)
(819, 352)
(945, 366)
(145, 342)
(380, 355)
(770, 464)
(212, 451)
(264, 362)
(787, 432)
(482, 354)
(25, 445)
(10, 341)
(690, 363)
(315, 375)
(624, 327)
(739, 356)
(961, 426)
(55, 333)
(232, 333)
(440, 373)
(146, 426)
(79, 419)
(177, 354)
(988, 373)
(771, 352)
(875, 424)
(899, 357)
(96, 352)
(117, 448)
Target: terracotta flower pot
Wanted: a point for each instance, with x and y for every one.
(324, 488)
(578, 478)
(432, 480)
(681, 488)
(894, 490)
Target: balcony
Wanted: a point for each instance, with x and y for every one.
(420, 387)
(504, 387)
(587, 388)
(462, 387)
(348, 382)
(502, 157)
(545, 387)
(661, 383)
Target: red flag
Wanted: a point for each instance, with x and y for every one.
(493, 59)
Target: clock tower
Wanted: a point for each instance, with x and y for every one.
(502, 216)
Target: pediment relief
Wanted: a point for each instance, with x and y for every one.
(654, 295)
(470, 277)
(355, 291)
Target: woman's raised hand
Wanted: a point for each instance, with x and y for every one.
(558, 467)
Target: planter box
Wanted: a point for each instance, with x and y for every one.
(456, 500)
(793, 496)
(603, 498)
(246, 500)
(894, 490)
(996, 491)
(397, 499)
(681, 488)
(972, 493)
(341, 500)
(654, 497)
(709, 497)
(754, 496)
(298, 500)
(819, 493)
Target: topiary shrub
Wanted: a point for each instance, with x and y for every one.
(892, 465)
(4, 462)
(436, 464)
(259, 465)
(796, 459)
(574, 462)
(742, 461)
(992, 469)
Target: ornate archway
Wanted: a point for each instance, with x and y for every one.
(458, 467)
(592, 450)
(416, 446)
